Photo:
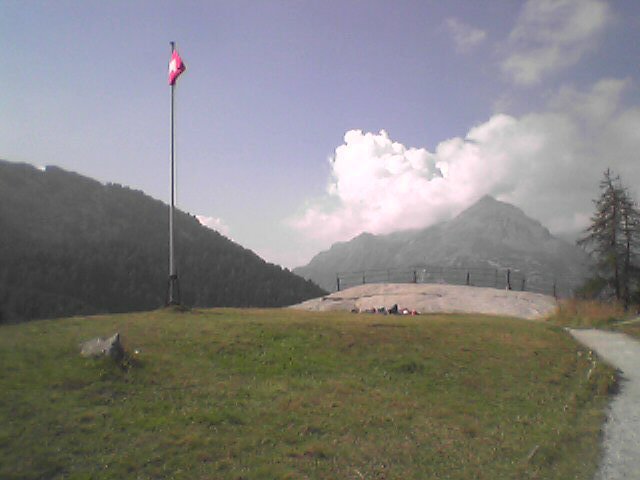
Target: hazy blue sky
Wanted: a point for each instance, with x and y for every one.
(302, 123)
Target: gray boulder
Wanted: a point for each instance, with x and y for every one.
(103, 347)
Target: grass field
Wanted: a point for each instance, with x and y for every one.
(271, 394)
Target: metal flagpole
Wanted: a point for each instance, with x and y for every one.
(174, 291)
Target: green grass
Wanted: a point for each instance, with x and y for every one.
(271, 394)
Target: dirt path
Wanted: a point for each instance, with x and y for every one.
(622, 430)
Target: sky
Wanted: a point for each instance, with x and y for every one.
(299, 124)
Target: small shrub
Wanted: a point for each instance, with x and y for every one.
(594, 288)
(410, 367)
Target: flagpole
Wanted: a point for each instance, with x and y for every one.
(173, 275)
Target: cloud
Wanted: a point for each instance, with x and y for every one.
(550, 35)
(464, 36)
(290, 258)
(214, 223)
(548, 163)
(595, 105)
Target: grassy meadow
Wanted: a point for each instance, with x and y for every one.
(277, 394)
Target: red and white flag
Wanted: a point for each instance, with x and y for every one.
(176, 67)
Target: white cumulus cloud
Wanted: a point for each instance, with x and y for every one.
(214, 223)
(464, 36)
(548, 163)
(552, 34)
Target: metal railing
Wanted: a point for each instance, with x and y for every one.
(502, 278)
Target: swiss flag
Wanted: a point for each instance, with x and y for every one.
(176, 67)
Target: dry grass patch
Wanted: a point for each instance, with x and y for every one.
(631, 327)
(578, 313)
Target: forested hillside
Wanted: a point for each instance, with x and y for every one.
(71, 245)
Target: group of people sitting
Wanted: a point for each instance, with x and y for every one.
(384, 311)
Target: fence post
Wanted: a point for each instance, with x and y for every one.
(480, 279)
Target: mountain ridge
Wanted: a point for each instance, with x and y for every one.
(488, 234)
(71, 245)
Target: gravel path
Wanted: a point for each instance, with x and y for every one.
(622, 429)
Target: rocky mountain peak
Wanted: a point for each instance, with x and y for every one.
(489, 234)
(502, 223)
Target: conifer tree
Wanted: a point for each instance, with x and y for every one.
(612, 238)
(630, 230)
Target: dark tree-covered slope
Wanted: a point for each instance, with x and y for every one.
(71, 245)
